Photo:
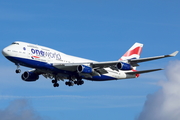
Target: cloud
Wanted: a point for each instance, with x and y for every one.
(19, 110)
(164, 104)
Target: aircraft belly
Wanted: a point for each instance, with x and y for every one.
(111, 76)
(27, 62)
(101, 78)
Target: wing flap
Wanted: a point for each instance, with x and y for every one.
(66, 66)
(104, 64)
(101, 71)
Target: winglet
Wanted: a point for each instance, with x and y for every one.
(173, 54)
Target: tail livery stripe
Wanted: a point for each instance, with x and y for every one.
(134, 51)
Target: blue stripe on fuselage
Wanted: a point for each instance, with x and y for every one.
(43, 65)
(101, 78)
(33, 63)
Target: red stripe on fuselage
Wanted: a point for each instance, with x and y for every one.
(35, 56)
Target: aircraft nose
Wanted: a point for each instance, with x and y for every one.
(4, 51)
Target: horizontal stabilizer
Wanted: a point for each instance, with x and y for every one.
(143, 71)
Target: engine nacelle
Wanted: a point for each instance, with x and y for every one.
(123, 66)
(29, 76)
(84, 69)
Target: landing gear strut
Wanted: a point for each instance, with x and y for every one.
(55, 82)
(79, 81)
(18, 70)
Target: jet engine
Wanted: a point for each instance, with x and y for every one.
(29, 76)
(123, 66)
(84, 69)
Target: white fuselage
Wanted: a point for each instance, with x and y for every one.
(36, 56)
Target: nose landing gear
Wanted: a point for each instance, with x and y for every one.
(18, 70)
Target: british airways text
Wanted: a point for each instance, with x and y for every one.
(48, 54)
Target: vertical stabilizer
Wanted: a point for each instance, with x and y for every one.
(133, 53)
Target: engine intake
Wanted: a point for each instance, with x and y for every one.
(29, 76)
(84, 69)
(123, 66)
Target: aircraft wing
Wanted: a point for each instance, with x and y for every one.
(67, 66)
(73, 66)
(100, 65)
(134, 62)
(97, 66)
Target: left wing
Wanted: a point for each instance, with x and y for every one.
(134, 62)
(67, 66)
(87, 66)
(99, 66)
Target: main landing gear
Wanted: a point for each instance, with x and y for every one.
(18, 70)
(55, 83)
(71, 82)
(79, 82)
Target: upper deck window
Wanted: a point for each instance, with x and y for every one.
(15, 43)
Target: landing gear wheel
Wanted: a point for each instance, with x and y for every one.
(69, 83)
(18, 71)
(75, 82)
(56, 85)
(80, 82)
(54, 81)
(66, 83)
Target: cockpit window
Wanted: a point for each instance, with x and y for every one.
(15, 43)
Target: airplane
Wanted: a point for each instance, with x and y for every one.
(58, 66)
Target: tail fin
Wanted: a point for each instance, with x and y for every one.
(133, 53)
